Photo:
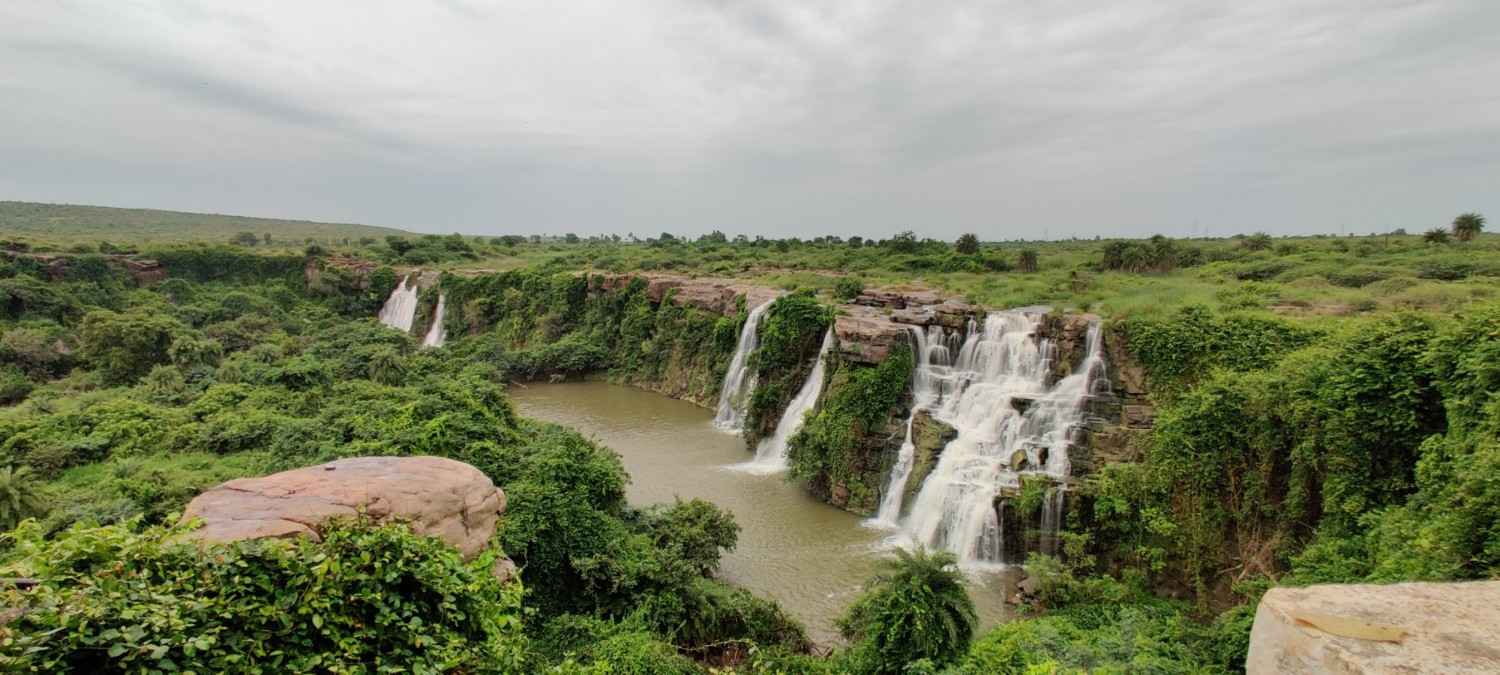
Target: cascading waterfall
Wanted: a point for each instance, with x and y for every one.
(738, 380)
(931, 380)
(997, 368)
(771, 455)
(437, 334)
(400, 308)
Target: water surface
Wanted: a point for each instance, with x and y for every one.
(808, 556)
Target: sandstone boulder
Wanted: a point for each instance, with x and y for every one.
(436, 497)
(1400, 628)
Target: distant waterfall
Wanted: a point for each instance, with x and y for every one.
(401, 308)
(739, 381)
(436, 334)
(1000, 437)
(931, 380)
(771, 457)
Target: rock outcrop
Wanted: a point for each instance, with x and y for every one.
(716, 296)
(435, 496)
(879, 319)
(1401, 628)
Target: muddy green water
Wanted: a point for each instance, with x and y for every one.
(806, 555)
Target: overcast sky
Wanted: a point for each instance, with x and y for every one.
(1022, 118)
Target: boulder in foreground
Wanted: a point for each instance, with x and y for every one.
(1400, 628)
(434, 496)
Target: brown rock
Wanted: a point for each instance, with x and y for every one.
(1400, 628)
(435, 496)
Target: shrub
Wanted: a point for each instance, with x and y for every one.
(848, 287)
(364, 598)
(915, 608)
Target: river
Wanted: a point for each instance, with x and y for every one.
(808, 556)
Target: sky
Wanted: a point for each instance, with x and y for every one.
(1006, 118)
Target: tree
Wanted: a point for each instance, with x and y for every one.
(244, 239)
(1467, 226)
(398, 244)
(20, 496)
(1027, 260)
(903, 242)
(123, 347)
(267, 237)
(1259, 241)
(915, 607)
(1436, 235)
(967, 244)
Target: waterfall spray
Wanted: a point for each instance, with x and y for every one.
(401, 307)
(738, 380)
(931, 379)
(999, 440)
(437, 334)
(771, 455)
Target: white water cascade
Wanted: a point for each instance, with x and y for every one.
(1001, 406)
(771, 455)
(401, 308)
(738, 380)
(437, 334)
(931, 381)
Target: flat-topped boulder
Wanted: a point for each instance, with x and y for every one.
(434, 496)
(1363, 628)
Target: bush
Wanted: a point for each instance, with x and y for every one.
(114, 600)
(915, 608)
(847, 288)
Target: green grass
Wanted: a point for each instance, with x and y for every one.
(71, 224)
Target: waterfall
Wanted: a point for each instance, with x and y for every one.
(738, 380)
(1052, 510)
(436, 335)
(401, 308)
(931, 379)
(770, 456)
(1009, 422)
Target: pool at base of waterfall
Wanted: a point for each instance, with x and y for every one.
(808, 556)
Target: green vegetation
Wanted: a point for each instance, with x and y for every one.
(73, 224)
(915, 609)
(116, 599)
(1326, 411)
(790, 335)
(837, 450)
(179, 386)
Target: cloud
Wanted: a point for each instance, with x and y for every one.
(759, 116)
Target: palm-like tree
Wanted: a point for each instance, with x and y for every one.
(914, 607)
(1436, 235)
(20, 496)
(1467, 226)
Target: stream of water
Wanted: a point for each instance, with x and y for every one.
(808, 556)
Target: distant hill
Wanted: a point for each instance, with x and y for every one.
(65, 223)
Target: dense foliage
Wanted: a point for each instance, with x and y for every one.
(832, 451)
(914, 609)
(113, 599)
(790, 335)
(180, 386)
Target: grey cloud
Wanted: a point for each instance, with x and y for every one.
(773, 117)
